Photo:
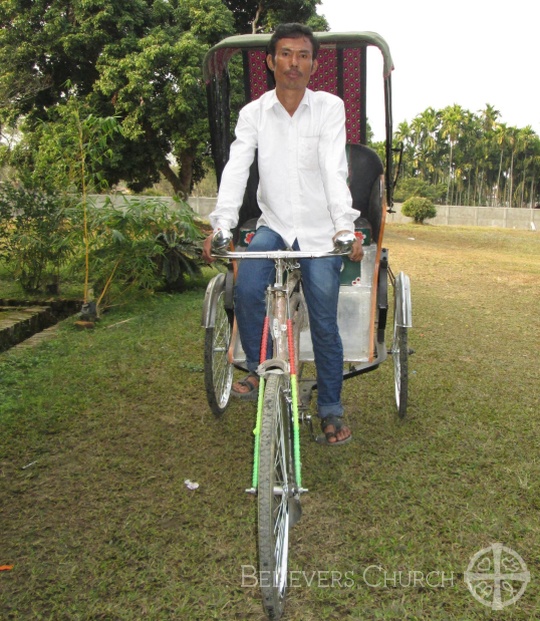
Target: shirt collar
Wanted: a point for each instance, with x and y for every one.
(273, 100)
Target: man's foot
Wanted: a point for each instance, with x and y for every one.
(246, 388)
(335, 431)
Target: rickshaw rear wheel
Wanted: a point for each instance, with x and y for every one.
(218, 371)
(400, 355)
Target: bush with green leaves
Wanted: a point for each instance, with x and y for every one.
(35, 234)
(143, 243)
(407, 187)
(419, 208)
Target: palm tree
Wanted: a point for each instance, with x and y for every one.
(512, 136)
(479, 159)
(452, 119)
(501, 132)
(524, 143)
(487, 126)
(403, 137)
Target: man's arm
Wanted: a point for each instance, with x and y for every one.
(235, 174)
(334, 170)
(233, 181)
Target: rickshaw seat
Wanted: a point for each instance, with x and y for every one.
(356, 279)
(365, 170)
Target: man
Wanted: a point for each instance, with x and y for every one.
(299, 136)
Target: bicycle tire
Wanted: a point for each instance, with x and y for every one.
(218, 371)
(400, 355)
(275, 490)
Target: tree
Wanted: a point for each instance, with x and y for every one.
(452, 118)
(252, 16)
(481, 160)
(156, 87)
(139, 60)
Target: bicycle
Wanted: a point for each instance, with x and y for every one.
(277, 466)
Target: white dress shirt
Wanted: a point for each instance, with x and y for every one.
(303, 192)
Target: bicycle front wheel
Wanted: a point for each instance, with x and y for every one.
(275, 490)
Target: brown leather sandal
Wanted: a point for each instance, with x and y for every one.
(337, 423)
(251, 382)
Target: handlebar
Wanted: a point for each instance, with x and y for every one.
(221, 240)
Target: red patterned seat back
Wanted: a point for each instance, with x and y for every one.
(339, 72)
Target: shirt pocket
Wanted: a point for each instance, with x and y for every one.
(308, 152)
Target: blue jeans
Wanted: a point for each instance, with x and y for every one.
(320, 279)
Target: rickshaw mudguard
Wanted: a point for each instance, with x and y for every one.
(213, 290)
(403, 307)
(382, 295)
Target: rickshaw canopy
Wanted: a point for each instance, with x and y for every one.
(342, 70)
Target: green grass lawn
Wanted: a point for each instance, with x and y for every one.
(100, 429)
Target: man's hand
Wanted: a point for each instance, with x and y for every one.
(207, 249)
(357, 252)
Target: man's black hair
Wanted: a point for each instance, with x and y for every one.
(293, 31)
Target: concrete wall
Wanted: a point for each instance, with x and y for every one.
(451, 215)
(202, 205)
(456, 215)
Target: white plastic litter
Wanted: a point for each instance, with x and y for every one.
(191, 484)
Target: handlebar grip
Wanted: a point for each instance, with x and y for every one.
(343, 243)
(221, 241)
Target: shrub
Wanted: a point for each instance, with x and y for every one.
(419, 208)
(144, 243)
(35, 235)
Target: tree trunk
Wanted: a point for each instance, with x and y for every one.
(186, 171)
(510, 193)
(180, 182)
(449, 174)
(498, 196)
(173, 179)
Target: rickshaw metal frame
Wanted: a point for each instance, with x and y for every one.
(215, 71)
(218, 88)
(277, 445)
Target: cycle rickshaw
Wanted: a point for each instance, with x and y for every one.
(284, 392)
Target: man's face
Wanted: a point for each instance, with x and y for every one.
(293, 63)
